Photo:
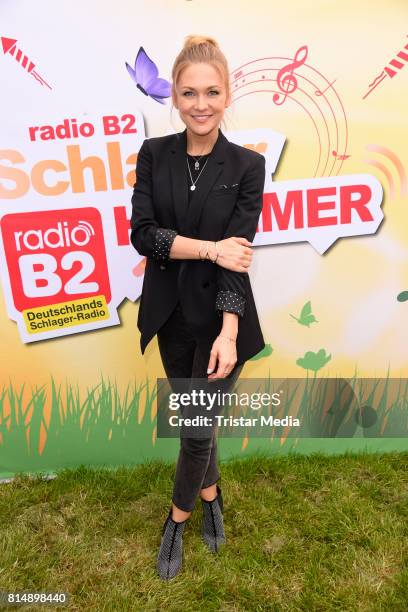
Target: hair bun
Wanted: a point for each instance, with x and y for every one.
(193, 41)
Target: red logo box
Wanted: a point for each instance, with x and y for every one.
(55, 256)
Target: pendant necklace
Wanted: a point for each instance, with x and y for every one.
(193, 186)
(197, 163)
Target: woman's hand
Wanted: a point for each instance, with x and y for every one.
(225, 351)
(234, 253)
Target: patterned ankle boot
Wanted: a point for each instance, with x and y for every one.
(170, 557)
(213, 524)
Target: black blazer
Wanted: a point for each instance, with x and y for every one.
(227, 202)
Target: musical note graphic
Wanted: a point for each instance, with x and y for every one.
(286, 80)
(320, 93)
(10, 47)
(331, 131)
(391, 70)
(337, 156)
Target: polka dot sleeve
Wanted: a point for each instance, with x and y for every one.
(229, 301)
(163, 240)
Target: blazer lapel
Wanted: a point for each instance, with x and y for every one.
(179, 184)
(188, 216)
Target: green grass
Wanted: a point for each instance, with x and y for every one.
(310, 533)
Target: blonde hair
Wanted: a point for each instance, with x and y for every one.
(201, 49)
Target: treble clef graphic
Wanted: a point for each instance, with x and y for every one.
(286, 80)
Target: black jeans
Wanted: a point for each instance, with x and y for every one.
(197, 462)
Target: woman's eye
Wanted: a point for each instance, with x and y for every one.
(188, 93)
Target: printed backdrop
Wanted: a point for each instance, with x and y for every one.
(320, 91)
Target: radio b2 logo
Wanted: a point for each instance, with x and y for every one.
(55, 256)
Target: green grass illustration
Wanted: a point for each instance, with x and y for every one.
(105, 427)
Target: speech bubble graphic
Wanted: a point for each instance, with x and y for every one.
(66, 262)
(320, 210)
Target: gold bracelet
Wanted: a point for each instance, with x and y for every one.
(218, 253)
(206, 253)
(227, 338)
(199, 250)
(214, 260)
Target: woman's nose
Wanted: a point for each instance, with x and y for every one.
(201, 103)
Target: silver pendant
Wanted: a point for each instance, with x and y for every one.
(196, 166)
(192, 187)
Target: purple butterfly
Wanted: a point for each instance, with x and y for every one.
(145, 75)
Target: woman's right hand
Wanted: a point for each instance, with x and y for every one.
(234, 253)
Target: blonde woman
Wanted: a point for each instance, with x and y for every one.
(195, 209)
